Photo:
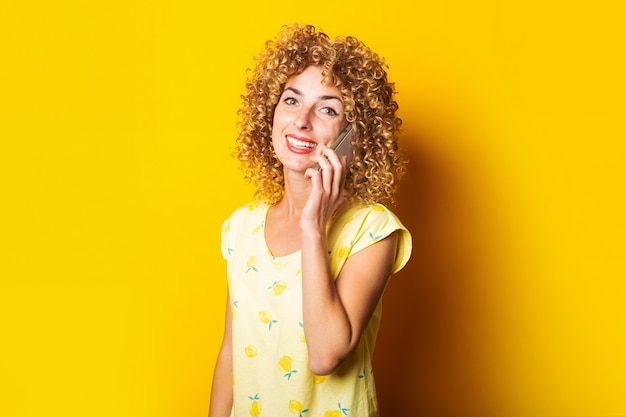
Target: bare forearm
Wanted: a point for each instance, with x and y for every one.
(337, 310)
(327, 327)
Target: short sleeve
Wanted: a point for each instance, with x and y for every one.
(378, 222)
(226, 247)
(364, 226)
(236, 225)
(230, 229)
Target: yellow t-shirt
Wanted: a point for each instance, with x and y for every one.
(270, 372)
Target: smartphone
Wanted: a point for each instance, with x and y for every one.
(342, 145)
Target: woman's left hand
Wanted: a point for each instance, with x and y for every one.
(327, 193)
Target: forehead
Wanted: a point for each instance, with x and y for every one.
(310, 83)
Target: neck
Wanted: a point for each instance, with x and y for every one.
(297, 191)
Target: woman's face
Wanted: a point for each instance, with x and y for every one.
(308, 114)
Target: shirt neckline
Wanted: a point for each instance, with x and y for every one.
(282, 258)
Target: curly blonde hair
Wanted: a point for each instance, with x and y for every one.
(360, 76)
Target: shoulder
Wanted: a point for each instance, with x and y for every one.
(242, 221)
(250, 210)
(365, 225)
(374, 216)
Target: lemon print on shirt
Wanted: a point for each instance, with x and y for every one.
(296, 408)
(302, 336)
(233, 308)
(257, 228)
(364, 374)
(277, 287)
(250, 351)
(342, 411)
(266, 317)
(376, 207)
(344, 251)
(284, 364)
(319, 379)
(255, 407)
(251, 264)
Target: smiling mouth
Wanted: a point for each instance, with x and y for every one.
(300, 144)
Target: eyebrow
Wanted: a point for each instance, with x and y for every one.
(298, 92)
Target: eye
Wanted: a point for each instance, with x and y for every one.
(289, 101)
(329, 111)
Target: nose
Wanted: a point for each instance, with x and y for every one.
(303, 119)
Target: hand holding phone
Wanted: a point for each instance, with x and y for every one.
(342, 146)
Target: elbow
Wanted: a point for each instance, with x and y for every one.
(324, 366)
(326, 357)
(326, 363)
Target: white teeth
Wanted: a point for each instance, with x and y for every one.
(301, 144)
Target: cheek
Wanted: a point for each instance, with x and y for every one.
(275, 137)
(274, 127)
(279, 114)
(279, 123)
(332, 135)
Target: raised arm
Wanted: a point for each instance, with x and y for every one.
(337, 311)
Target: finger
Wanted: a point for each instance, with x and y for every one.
(322, 162)
(329, 176)
(326, 171)
(331, 156)
(339, 173)
(339, 164)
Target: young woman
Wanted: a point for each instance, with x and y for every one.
(309, 259)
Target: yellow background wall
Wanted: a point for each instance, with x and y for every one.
(116, 124)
